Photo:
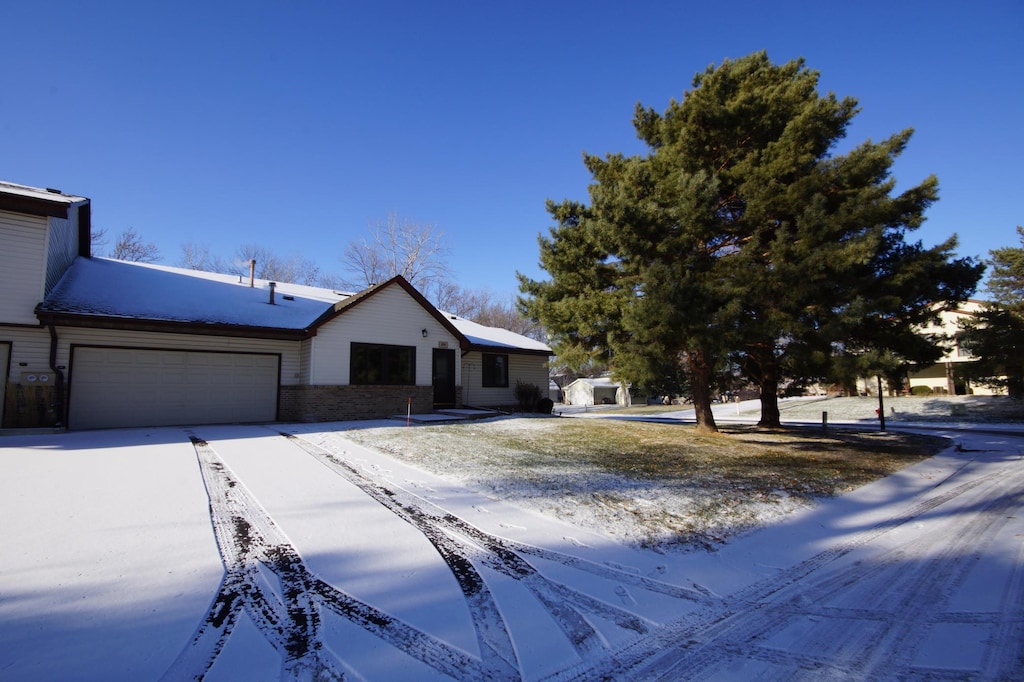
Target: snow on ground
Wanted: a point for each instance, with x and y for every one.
(237, 553)
(663, 514)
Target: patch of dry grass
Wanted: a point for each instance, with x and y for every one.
(652, 484)
(798, 461)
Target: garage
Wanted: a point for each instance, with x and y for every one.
(119, 387)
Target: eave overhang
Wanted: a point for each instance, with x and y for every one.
(509, 350)
(172, 326)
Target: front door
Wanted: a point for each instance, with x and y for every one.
(444, 377)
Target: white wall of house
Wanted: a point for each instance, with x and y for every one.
(22, 266)
(305, 353)
(389, 316)
(531, 369)
(30, 350)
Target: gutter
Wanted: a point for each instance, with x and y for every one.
(59, 406)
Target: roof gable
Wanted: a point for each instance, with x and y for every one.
(341, 307)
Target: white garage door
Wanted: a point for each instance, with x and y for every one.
(113, 387)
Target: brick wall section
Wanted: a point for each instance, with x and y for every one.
(334, 403)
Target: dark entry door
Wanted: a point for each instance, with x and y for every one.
(444, 377)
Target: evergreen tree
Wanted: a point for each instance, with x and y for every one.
(996, 334)
(741, 236)
(1006, 280)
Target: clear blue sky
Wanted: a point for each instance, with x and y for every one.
(295, 124)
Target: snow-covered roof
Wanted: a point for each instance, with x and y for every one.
(141, 292)
(51, 195)
(479, 335)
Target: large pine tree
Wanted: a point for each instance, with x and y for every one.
(741, 235)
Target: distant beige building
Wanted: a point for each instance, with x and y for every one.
(951, 374)
(598, 391)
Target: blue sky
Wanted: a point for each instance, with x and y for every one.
(297, 124)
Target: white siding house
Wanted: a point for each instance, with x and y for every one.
(93, 343)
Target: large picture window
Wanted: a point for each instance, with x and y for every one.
(495, 370)
(381, 364)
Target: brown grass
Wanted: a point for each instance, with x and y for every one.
(800, 461)
(656, 485)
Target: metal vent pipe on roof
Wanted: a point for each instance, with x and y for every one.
(273, 285)
(252, 272)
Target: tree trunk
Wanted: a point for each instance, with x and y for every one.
(769, 384)
(1014, 382)
(700, 370)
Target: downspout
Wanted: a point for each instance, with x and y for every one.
(59, 402)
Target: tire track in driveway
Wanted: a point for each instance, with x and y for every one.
(247, 538)
(497, 650)
(464, 546)
(288, 614)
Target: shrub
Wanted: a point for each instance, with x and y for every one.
(527, 395)
(545, 405)
(921, 390)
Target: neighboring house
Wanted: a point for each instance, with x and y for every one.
(952, 373)
(599, 391)
(41, 232)
(117, 344)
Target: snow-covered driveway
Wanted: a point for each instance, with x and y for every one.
(245, 553)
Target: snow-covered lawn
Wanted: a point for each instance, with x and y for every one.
(649, 484)
(237, 553)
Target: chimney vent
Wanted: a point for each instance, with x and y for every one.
(252, 272)
(273, 285)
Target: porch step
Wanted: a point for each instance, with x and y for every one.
(449, 415)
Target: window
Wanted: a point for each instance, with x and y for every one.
(495, 370)
(377, 363)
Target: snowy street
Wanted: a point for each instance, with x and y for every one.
(244, 552)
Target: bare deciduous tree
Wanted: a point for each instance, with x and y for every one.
(198, 257)
(97, 240)
(397, 246)
(130, 247)
(482, 307)
(295, 269)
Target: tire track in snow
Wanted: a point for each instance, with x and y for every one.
(863, 642)
(287, 614)
(903, 592)
(461, 543)
(1008, 659)
(570, 609)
